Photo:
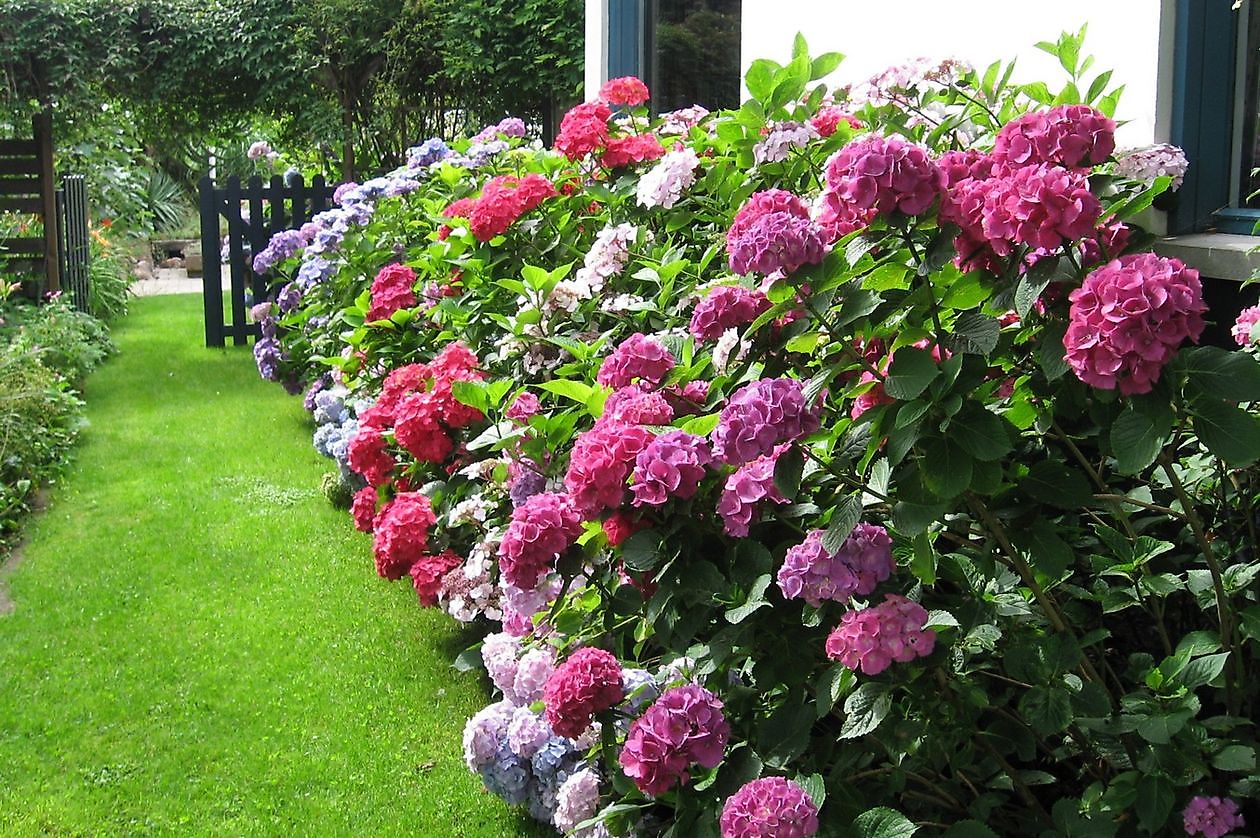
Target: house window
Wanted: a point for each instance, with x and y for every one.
(1246, 125)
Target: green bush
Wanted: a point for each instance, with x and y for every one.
(66, 341)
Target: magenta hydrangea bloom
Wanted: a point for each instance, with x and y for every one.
(726, 307)
(523, 408)
(542, 528)
(1128, 318)
(634, 406)
(1243, 326)
(1211, 817)
(1066, 135)
(684, 726)
(671, 466)
(885, 173)
(638, 357)
(761, 415)
(771, 807)
(776, 241)
(391, 291)
(836, 218)
(958, 166)
(810, 573)
(1038, 206)
(600, 464)
(872, 638)
(589, 682)
(747, 487)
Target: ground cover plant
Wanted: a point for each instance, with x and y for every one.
(843, 464)
(193, 645)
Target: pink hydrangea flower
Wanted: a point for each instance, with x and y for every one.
(684, 726)
(663, 185)
(542, 528)
(600, 464)
(637, 358)
(427, 573)
(772, 232)
(523, 408)
(392, 290)
(872, 638)
(576, 800)
(828, 119)
(810, 573)
(1039, 206)
(527, 732)
(635, 406)
(583, 129)
(1211, 817)
(1245, 324)
(626, 90)
(363, 508)
(417, 428)
(367, 454)
(836, 218)
(1065, 135)
(484, 732)
(671, 466)
(745, 489)
(958, 166)
(1108, 242)
(589, 682)
(1128, 318)
(1146, 164)
(761, 415)
(771, 807)
(402, 534)
(726, 307)
(886, 173)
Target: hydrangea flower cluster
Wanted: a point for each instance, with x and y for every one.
(402, 534)
(542, 528)
(626, 90)
(893, 84)
(781, 139)
(759, 416)
(726, 307)
(671, 466)
(773, 231)
(577, 800)
(432, 150)
(744, 489)
(684, 726)
(682, 120)
(1211, 817)
(393, 289)
(583, 130)
(1244, 328)
(606, 258)
(1146, 164)
(427, 574)
(1065, 135)
(620, 152)
(1128, 318)
(1040, 206)
(827, 121)
(810, 573)
(468, 592)
(600, 464)
(363, 508)
(771, 807)
(513, 127)
(282, 245)
(369, 456)
(663, 185)
(520, 674)
(504, 199)
(638, 358)
(635, 406)
(872, 638)
(886, 174)
(587, 683)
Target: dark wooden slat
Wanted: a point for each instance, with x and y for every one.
(211, 276)
(18, 148)
(27, 205)
(19, 186)
(23, 245)
(42, 124)
(19, 166)
(239, 270)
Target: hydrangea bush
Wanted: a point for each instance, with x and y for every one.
(840, 465)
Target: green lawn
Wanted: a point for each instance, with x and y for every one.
(200, 645)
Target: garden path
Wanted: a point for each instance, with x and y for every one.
(199, 643)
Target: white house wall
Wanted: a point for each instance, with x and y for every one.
(1132, 37)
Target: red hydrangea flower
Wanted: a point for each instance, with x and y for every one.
(417, 429)
(626, 90)
(600, 465)
(583, 130)
(504, 199)
(1128, 318)
(543, 526)
(872, 638)
(625, 151)
(402, 534)
(684, 726)
(400, 383)
(620, 525)
(886, 173)
(637, 358)
(1066, 135)
(589, 682)
(363, 508)
(392, 291)
(427, 573)
(828, 119)
(726, 307)
(368, 456)
(771, 807)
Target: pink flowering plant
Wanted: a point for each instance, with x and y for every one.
(843, 464)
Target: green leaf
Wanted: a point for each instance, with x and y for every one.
(981, 433)
(843, 520)
(833, 683)
(1155, 796)
(1240, 758)
(642, 551)
(1139, 433)
(1202, 671)
(882, 823)
(888, 277)
(975, 333)
(814, 786)
(1051, 482)
(760, 78)
(1050, 352)
(1212, 371)
(788, 469)
(911, 371)
(756, 599)
(1032, 283)
(864, 709)
(1047, 552)
(702, 425)
(825, 65)
(471, 393)
(785, 735)
(945, 467)
(1047, 709)
(969, 829)
(1228, 431)
(575, 390)
(923, 562)
(1160, 729)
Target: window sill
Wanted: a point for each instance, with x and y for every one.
(1216, 255)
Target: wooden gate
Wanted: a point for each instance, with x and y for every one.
(269, 208)
(74, 244)
(28, 185)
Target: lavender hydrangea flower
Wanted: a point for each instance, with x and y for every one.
(432, 150)
(810, 573)
(484, 732)
(782, 139)
(761, 415)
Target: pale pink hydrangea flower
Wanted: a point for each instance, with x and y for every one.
(781, 139)
(681, 121)
(1146, 164)
(663, 185)
(577, 800)
(1245, 325)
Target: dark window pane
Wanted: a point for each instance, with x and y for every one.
(1248, 179)
(695, 54)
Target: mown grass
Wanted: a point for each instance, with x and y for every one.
(200, 645)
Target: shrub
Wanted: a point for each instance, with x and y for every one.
(1015, 577)
(67, 341)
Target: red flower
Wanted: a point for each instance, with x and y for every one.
(626, 90)
(427, 573)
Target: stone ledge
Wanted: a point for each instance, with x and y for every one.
(1216, 255)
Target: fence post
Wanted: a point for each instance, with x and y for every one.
(42, 124)
(236, 259)
(212, 269)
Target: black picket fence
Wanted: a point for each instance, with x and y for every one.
(254, 211)
(75, 250)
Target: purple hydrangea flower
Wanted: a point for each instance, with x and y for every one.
(810, 573)
(672, 465)
(761, 415)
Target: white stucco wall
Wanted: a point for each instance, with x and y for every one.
(1131, 37)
